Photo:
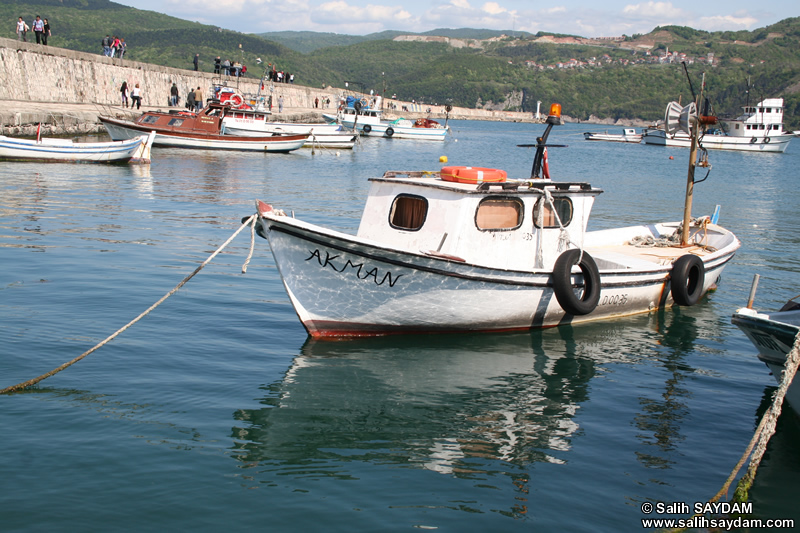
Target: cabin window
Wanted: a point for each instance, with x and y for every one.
(774, 126)
(563, 209)
(175, 122)
(149, 120)
(737, 126)
(408, 212)
(499, 214)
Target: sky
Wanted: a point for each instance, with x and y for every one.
(586, 18)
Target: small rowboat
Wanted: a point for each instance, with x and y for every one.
(134, 150)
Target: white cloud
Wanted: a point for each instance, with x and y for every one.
(652, 9)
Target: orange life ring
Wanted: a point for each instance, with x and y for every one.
(473, 175)
(236, 100)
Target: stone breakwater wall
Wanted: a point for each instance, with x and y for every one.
(55, 78)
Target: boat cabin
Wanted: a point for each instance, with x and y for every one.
(762, 120)
(208, 120)
(513, 225)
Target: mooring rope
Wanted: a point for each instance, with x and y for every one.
(764, 431)
(34, 381)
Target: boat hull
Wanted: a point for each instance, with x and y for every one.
(341, 285)
(65, 151)
(775, 143)
(773, 335)
(393, 131)
(120, 130)
(612, 137)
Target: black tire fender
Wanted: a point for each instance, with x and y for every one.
(562, 282)
(688, 275)
(766, 140)
(389, 131)
(367, 128)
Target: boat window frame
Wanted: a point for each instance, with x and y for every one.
(515, 199)
(556, 200)
(393, 211)
(175, 121)
(149, 119)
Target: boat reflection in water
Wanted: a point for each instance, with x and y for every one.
(473, 406)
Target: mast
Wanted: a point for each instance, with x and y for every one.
(694, 125)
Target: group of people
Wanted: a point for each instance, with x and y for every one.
(40, 27)
(228, 67)
(114, 46)
(326, 102)
(279, 76)
(194, 100)
(135, 95)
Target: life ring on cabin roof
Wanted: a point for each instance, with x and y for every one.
(571, 303)
(687, 277)
(236, 100)
(473, 175)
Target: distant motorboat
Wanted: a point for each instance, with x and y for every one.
(628, 135)
(132, 150)
(369, 121)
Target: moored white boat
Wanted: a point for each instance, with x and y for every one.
(757, 129)
(199, 130)
(466, 249)
(369, 122)
(773, 334)
(248, 123)
(134, 150)
(628, 135)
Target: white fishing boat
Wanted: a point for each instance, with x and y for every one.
(202, 130)
(757, 129)
(773, 334)
(628, 135)
(467, 249)
(369, 122)
(133, 151)
(252, 122)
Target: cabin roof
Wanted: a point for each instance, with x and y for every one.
(431, 179)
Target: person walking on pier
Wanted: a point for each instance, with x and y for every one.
(196, 61)
(136, 97)
(22, 29)
(38, 29)
(124, 92)
(198, 99)
(173, 95)
(46, 33)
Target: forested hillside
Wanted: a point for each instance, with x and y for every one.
(634, 78)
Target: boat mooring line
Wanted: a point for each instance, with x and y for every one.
(764, 431)
(249, 221)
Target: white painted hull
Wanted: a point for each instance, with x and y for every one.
(774, 143)
(341, 285)
(120, 131)
(62, 150)
(773, 335)
(336, 139)
(613, 137)
(392, 131)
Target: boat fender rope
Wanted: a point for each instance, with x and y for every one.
(34, 381)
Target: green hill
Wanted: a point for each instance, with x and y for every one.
(608, 79)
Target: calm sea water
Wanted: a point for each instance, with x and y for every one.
(217, 413)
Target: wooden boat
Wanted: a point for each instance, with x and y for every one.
(628, 135)
(773, 334)
(198, 130)
(757, 129)
(467, 249)
(134, 151)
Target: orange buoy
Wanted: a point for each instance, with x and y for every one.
(473, 174)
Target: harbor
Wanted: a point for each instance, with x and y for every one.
(218, 410)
